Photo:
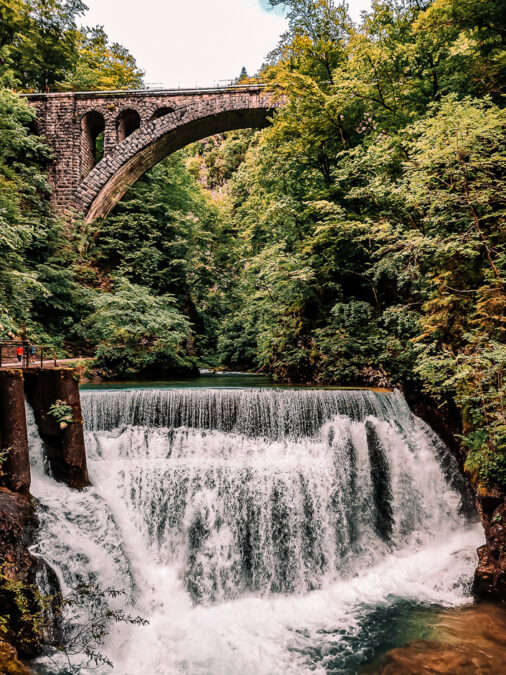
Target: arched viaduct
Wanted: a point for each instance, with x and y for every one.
(103, 142)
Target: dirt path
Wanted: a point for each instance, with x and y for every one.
(47, 363)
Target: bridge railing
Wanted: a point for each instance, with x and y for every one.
(220, 86)
(23, 354)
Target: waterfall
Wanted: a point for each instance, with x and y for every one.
(255, 529)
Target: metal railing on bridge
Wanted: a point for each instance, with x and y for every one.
(219, 86)
(23, 354)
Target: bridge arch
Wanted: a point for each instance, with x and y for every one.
(107, 182)
(161, 112)
(127, 122)
(92, 126)
(103, 141)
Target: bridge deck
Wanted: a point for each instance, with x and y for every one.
(195, 91)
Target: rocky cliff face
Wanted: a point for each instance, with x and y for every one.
(17, 567)
(490, 575)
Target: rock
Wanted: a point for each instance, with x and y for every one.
(490, 575)
(490, 499)
(17, 526)
(467, 641)
(17, 523)
(424, 656)
(9, 662)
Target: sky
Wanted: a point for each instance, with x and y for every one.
(186, 43)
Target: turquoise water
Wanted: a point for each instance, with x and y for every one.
(207, 381)
(219, 380)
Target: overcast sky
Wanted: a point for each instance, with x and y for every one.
(194, 42)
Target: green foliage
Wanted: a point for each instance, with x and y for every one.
(132, 316)
(62, 413)
(22, 204)
(38, 286)
(100, 65)
(35, 625)
(372, 211)
(13, 15)
(166, 235)
(28, 610)
(475, 375)
(4, 455)
(140, 333)
(473, 33)
(42, 48)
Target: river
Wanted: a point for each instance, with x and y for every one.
(258, 530)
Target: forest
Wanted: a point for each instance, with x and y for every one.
(359, 240)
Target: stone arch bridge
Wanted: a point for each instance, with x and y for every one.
(103, 142)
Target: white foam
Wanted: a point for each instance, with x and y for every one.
(204, 525)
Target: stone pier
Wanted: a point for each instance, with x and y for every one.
(14, 459)
(64, 448)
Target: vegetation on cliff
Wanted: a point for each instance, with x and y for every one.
(372, 211)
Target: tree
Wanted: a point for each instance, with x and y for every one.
(141, 333)
(243, 76)
(22, 207)
(383, 185)
(474, 33)
(13, 20)
(46, 50)
(101, 65)
(314, 41)
(42, 48)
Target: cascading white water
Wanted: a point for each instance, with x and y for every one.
(256, 530)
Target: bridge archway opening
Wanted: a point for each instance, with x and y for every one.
(92, 140)
(161, 112)
(127, 122)
(160, 139)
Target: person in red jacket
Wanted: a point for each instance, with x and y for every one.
(19, 353)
